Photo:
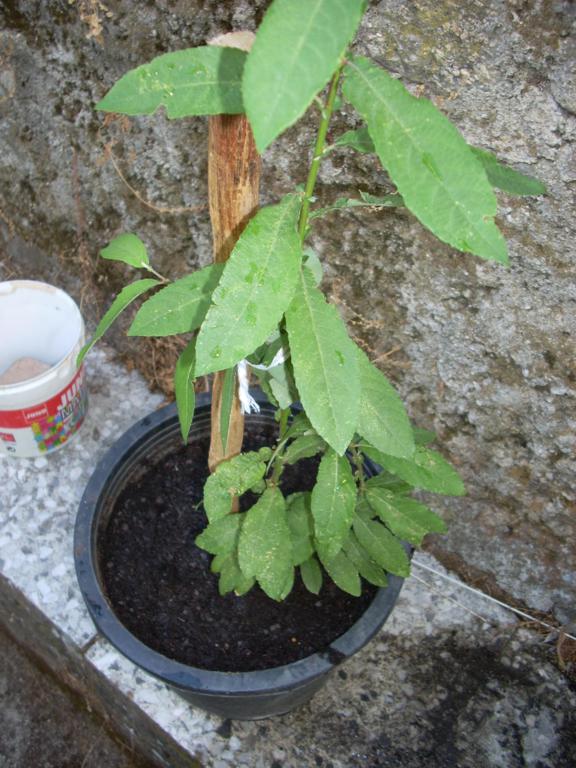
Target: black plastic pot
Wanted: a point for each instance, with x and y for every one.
(238, 695)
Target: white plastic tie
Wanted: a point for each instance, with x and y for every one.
(279, 358)
(247, 402)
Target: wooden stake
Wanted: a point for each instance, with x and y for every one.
(233, 193)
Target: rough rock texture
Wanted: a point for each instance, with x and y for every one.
(482, 354)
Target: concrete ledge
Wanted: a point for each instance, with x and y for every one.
(438, 686)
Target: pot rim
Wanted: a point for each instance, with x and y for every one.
(208, 682)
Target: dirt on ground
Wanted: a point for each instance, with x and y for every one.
(43, 726)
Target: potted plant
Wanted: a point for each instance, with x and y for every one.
(344, 517)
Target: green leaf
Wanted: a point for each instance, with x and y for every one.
(194, 81)
(382, 546)
(311, 574)
(124, 299)
(333, 501)
(301, 527)
(184, 388)
(359, 140)
(265, 353)
(282, 384)
(221, 536)
(231, 577)
(406, 518)
(313, 263)
(427, 469)
(367, 568)
(300, 426)
(435, 171)
(366, 201)
(423, 436)
(382, 419)
(298, 46)
(325, 364)
(505, 178)
(304, 447)
(382, 201)
(264, 379)
(388, 482)
(231, 478)
(256, 286)
(264, 549)
(178, 308)
(344, 574)
(129, 249)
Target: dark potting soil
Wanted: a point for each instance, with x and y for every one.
(161, 588)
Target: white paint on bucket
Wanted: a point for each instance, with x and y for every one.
(40, 414)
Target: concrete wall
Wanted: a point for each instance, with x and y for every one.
(482, 354)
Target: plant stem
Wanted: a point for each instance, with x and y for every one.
(318, 152)
(326, 114)
(284, 416)
(153, 271)
(276, 460)
(357, 459)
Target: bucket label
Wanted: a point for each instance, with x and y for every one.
(47, 425)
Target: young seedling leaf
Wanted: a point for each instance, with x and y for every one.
(406, 518)
(264, 548)
(282, 384)
(382, 201)
(359, 140)
(194, 81)
(178, 308)
(299, 516)
(367, 568)
(437, 174)
(221, 536)
(325, 364)
(304, 447)
(129, 249)
(384, 548)
(365, 201)
(297, 48)
(313, 263)
(427, 469)
(256, 286)
(184, 388)
(507, 179)
(382, 419)
(333, 502)
(124, 299)
(232, 477)
(311, 574)
(344, 574)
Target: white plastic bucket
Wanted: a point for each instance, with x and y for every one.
(40, 414)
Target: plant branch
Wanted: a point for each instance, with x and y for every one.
(318, 153)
